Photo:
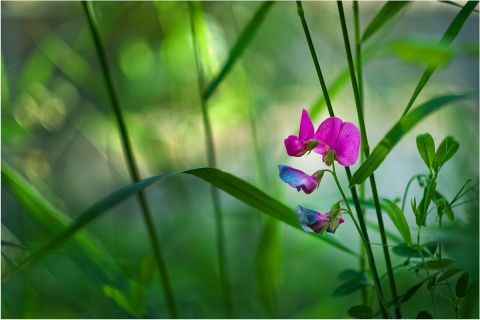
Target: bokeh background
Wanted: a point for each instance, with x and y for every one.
(60, 134)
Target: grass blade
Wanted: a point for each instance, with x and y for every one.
(388, 11)
(446, 40)
(231, 184)
(399, 130)
(99, 265)
(242, 42)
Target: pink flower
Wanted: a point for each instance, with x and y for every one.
(298, 146)
(342, 139)
(314, 221)
(299, 179)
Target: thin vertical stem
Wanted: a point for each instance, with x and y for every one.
(131, 163)
(211, 161)
(358, 52)
(367, 153)
(356, 201)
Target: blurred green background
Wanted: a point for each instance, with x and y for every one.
(60, 134)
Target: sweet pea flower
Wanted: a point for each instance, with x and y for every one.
(339, 141)
(314, 221)
(299, 179)
(298, 146)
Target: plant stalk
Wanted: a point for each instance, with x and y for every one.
(355, 198)
(131, 164)
(366, 150)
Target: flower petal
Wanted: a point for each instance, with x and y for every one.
(295, 147)
(298, 179)
(335, 224)
(327, 134)
(347, 146)
(311, 220)
(307, 131)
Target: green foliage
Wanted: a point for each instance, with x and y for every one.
(360, 312)
(398, 218)
(426, 148)
(388, 11)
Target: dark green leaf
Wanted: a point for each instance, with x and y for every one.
(433, 264)
(361, 312)
(411, 292)
(431, 283)
(449, 273)
(408, 251)
(399, 130)
(242, 42)
(432, 247)
(351, 286)
(462, 285)
(388, 11)
(350, 274)
(443, 206)
(119, 297)
(426, 148)
(399, 220)
(423, 315)
(446, 150)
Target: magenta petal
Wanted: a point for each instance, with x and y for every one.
(348, 144)
(341, 137)
(298, 179)
(327, 134)
(295, 147)
(306, 127)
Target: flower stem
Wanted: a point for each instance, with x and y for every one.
(356, 201)
(366, 150)
(365, 243)
(131, 164)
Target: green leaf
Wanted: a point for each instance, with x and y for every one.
(351, 286)
(462, 285)
(95, 260)
(423, 315)
(242, 42)
(431, 247)
(388, 11)
(433, 264)
(408, 251)
(231, 184)
(424, 51)
(443, 206)
(449, 273)
(411, 292)
(426, 148)
(399, 220)
(446, 40)
(350, 274)
(446, 150)
(121, 299)
(361, 312)
(399, 130)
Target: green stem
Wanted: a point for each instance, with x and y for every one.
(128, 152)
(358, 56)
(211, 161)
(364, 240)
(366, 150)
(356, 201)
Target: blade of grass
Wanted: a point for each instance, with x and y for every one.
(446, 40)
(128, 152)
(229, 183)
(366, 150)
(399, 130)
(388, 11)
(242, 42)
(211, 161)
(86, 251)
(353, 191)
